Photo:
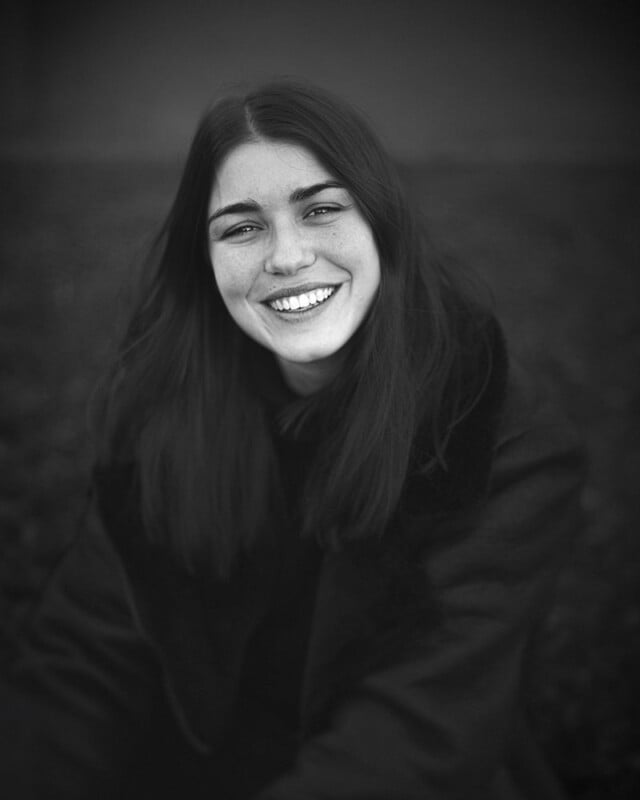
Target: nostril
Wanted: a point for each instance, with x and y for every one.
(289, 259)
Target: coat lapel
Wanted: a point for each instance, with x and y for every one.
(373, 596)
(341, 622)
(373, 599)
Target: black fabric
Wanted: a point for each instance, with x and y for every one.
(127, 677)
(265, 731)
(264, 734)
(276, 654)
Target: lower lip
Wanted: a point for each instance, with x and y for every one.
(306, 313)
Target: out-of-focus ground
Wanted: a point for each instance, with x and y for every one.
(558, 244)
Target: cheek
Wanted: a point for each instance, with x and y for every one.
(356, 251)
(367, 265)
(231, 279)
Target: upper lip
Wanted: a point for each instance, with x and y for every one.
(302, 288)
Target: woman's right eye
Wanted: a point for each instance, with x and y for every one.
(240, 231)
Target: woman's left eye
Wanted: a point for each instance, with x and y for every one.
(322, 211)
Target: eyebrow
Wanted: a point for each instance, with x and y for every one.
(296, 196)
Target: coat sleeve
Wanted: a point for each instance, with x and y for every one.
(78, 683)
(437, 724)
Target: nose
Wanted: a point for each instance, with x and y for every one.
(290, 251)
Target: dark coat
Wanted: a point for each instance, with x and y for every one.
(123, 678)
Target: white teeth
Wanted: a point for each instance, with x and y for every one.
(302, 301)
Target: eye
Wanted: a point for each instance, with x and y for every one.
(243, 231)
(322, 211)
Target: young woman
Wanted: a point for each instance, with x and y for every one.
(327, 514)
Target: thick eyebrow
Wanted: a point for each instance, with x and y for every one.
(296, 196)
(308, 191)
(235, 208)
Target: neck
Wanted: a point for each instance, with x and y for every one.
(308, 378)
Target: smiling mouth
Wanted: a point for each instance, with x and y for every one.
(305, 301)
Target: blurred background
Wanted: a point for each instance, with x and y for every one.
(517, 127)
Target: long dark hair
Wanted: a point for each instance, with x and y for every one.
(179, 401)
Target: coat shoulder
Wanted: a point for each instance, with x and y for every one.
(534, 425)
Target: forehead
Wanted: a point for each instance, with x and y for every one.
(265, 171)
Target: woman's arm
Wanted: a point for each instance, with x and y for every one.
(438, 724)
(79, 683)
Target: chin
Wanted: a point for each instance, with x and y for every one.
(306, 357)
(309, 355)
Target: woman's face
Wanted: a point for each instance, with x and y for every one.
(294, 260)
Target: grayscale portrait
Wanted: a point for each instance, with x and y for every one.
(320, 385)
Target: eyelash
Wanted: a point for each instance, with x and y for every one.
(247, 228)
(319, 211)
(323, 209)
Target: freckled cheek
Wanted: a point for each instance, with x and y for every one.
(348, 251)
(360, 258)
(234, 278)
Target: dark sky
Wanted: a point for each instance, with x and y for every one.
(443, 78)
